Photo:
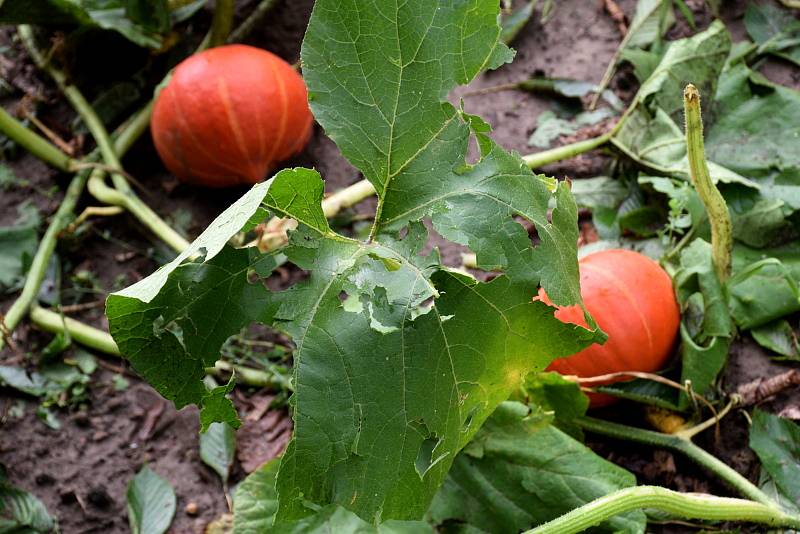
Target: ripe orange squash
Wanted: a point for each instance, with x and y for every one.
(631, 298)
(229, 114)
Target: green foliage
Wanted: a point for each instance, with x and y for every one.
(17, 247)
(151, 503)
(398, 359)
(519, 472)
(256, 502)
(140, 21)
(218, 448)
(776, 441)
(22, 512)
(775, 30)
(706, 327)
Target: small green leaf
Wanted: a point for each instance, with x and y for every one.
(776, 441)
(218, 448)
(21, 512)
(151, 503)
(215, 406)
(514, 22)
(650, 22)
(519, 472)
(18, 245)
(779, 337)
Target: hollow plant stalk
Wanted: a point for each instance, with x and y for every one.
(121, 195)
(101, 341)
(683, 445)
(685, 505)
(716, 208)
(128, 133)
(35, 143)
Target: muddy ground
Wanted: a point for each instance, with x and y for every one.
(82, 470)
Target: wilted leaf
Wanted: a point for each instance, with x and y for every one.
(519, 472)
(151, 503)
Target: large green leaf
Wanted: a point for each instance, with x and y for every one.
(398, 360)
(256, 500)
(140, 21)
(218, 448)
(519, 472)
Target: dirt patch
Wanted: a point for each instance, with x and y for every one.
(81, 471)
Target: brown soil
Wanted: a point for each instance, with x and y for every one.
(81, 471)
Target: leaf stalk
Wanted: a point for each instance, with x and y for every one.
(680, 444)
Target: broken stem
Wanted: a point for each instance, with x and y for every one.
(716, 208)
(686, 505)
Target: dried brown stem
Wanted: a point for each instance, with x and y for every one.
(763, 388)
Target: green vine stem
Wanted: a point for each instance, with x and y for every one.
(718, 215)
(680, 444)
(127, 134)
(121, 194)
(35, 143)
(222, 22)
(252, 20)
(96, 339)
(38, 267)
(686, 505)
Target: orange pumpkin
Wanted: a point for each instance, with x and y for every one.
(631, 298)
(229, 114)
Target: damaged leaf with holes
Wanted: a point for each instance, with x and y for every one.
(398, 359)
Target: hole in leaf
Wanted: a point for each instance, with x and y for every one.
(425, 458)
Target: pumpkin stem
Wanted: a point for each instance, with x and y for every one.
(687, 505)
(716, 208)
(680, 444)
(221, 23)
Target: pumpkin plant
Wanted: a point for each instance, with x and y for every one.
(399, 359)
